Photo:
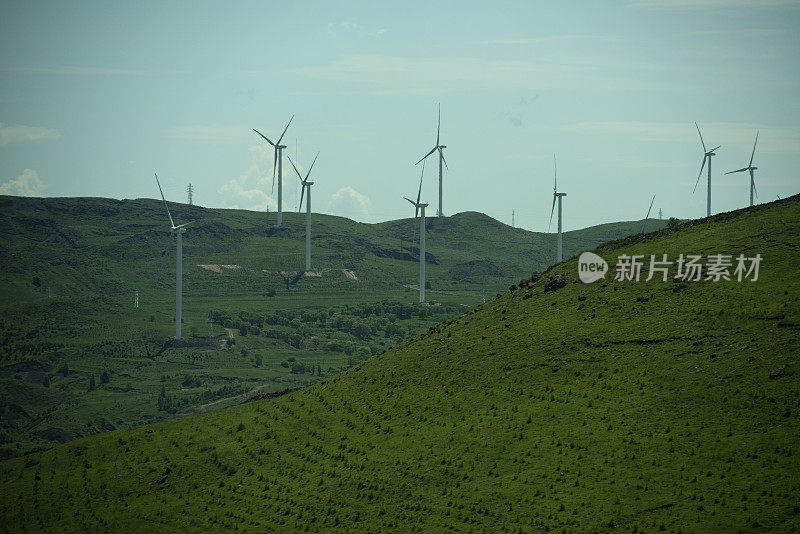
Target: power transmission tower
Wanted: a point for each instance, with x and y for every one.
(136, 299)
(513, 225)
(190, 190)
(659, 213)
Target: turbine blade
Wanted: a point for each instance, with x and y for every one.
(414, 203)
(295, 170)
(715, 148)
(274, 166)
(184, 225)
(755, 190)
(419, 192)
(438, 124)
(701, 137)
(264, 136)
(164, 256)
(738, 170)
(650, 208)
(302, 191)
(171, 223)
(441, 153)
(312, 166)
(551, 213)
(754, 150)
(700, 173)
(648, 214)
(555, 177)
(428, 154)
(284, 130)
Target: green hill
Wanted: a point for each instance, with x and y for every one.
(76, 357)
(624, 406)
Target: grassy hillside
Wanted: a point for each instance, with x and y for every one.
(613, 406)
(77, 358)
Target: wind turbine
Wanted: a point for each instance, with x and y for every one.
(556, 195)
(648, 214)
(438, 147)
(706, 156)
(306, 185)
(420, 209)
(278, 161)
(177, 231)
(751, 169)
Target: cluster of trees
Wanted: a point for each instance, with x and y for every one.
(171, 404)
(360, 322)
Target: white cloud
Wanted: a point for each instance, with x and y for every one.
(349, 26)
(591, 38)
(697, 5)
(347, 202)
(215, 134)
(26, 184)
(393, 75)
(249, 190)
(17, 133)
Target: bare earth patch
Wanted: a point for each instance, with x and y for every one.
(218, 268)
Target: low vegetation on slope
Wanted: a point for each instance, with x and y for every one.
(77, 358)
(625, 406)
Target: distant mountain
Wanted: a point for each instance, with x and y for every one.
(112, 247)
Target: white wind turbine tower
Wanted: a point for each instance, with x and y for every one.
(306, 185)
(438, 147)
(420, 210)
(751, 169)
(177, 231)
(278, 161)
(706, 156)
(556, 195)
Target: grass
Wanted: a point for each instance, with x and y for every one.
(69, 270)
(615, 406)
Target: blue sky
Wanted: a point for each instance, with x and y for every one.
(96, 96)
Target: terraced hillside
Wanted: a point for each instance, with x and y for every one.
(615, 406)
(77, 358)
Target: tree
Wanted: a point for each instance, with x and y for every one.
(258, 360)
(37, 282)
(46, 381)
(104, 378)
(91, 382)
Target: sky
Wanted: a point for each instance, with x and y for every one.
(95, 97)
